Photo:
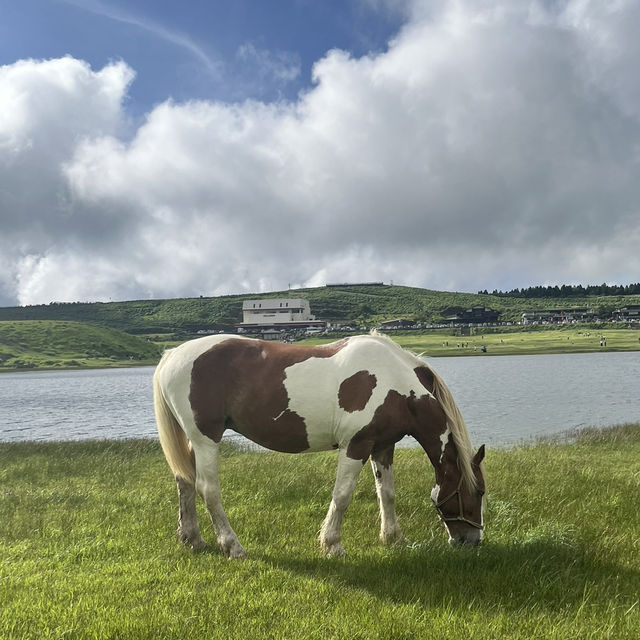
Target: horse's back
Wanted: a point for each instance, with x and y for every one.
(286, 397)
(228, 381)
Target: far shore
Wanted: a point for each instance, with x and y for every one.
(124, 364)
(481, 343)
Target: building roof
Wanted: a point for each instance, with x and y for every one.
(274, 303)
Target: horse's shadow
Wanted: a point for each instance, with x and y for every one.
(539, 574)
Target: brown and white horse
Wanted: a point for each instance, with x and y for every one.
(359, 395)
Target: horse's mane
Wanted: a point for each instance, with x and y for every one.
(455, 421)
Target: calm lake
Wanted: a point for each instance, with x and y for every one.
(504, 399)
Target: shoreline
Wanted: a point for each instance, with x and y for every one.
(449, 353)
(240, 445)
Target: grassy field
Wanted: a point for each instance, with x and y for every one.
(515, 341)
(522, 342)
(87, 548)
(49, 344)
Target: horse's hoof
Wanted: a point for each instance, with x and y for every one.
(336, 551)
(395, 540)
(199, 545)
(237, 554)
(234, 550)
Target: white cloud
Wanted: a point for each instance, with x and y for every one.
(493, 145)
(280, 67)
(48, 108)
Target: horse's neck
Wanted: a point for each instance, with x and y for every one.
(432, 447)
(430, 429)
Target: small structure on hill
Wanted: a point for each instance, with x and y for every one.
(630, 313)
(399, 323)
(354, 284)
(273, 315)
(475, 315)
(559, 316)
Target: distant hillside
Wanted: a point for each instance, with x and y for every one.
(51, 344)
(363, 304)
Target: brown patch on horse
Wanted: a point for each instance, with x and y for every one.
(389, 424)
(239, 384)
(383, 456)
(356, 390)
(425, 375)
(430, 422)
(420, 417)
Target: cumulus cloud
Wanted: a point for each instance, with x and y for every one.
(46, 109)
(494, 144)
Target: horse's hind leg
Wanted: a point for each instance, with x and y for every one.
(382, 465)
(208, 486)
(188, 528)
(348, 471)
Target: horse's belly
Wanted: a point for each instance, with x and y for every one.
(287, 433)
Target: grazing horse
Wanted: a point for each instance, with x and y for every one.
(359, 395)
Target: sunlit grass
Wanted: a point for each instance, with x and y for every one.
(516, 341)
(88, 549)
(50, 344)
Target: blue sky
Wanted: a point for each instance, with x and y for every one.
(165, 149)
(212, 50)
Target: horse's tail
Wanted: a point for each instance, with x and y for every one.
(175, 445)
(458, 430)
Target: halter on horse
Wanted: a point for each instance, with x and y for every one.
(359, 395)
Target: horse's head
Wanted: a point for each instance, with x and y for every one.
(460, 504)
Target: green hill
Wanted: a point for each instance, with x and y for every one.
(51, 344)
(362, 304)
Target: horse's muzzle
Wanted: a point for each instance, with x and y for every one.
(470, 540)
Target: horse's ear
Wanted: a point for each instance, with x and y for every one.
(479, 457)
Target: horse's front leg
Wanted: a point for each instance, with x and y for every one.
(347, 475)
(208, 486)
(382, 465)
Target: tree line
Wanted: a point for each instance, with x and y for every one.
(568, 291)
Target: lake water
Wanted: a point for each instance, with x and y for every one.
(504, 399)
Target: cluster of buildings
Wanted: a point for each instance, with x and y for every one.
(271, 317)
(629, 313)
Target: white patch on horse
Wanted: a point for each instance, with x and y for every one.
(444, 438)
(327, 423)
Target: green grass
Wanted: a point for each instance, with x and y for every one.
(514, 341)
(88, 550)
(33, 344)
(574, 339)
(49, 344)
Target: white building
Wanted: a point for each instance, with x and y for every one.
(278, 313)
